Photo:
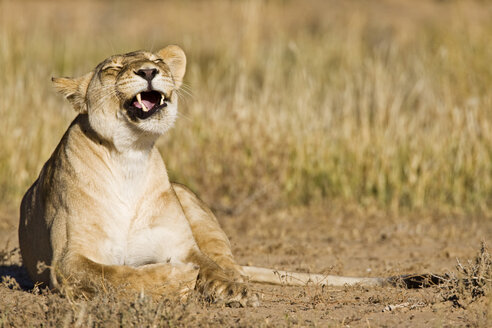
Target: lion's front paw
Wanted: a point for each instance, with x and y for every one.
(216, 288)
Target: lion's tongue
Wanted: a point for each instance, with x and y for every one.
(149, 100)
(147, 103)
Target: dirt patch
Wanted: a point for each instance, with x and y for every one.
(315, 239)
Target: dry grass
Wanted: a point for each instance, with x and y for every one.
(384, 103)
(471, 281)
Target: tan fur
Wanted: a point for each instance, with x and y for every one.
(103, 211)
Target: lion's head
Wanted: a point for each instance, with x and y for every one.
(135, 92)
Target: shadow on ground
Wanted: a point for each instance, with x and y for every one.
(17, 272)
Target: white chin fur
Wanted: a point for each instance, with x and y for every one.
(157, 126)
(159, 123)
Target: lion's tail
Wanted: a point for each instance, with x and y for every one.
(279, 277)
(286, 278)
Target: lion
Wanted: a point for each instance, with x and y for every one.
(103, 211)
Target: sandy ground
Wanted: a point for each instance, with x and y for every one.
(326, 239)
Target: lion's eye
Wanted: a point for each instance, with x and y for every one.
(111, 68)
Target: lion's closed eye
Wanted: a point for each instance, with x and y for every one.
(109, 68)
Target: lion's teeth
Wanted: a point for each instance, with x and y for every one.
(162, 100)
(139, 99)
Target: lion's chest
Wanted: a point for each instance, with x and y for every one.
(143, 245)
(136, 225)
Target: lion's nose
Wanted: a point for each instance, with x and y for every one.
(147, 73)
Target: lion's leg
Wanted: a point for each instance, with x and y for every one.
(207, 232)
(220, 277)
(160, 279)
(216, 284)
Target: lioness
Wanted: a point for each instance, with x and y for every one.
(103, 209)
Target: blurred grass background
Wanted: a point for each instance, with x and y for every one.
(379, 103)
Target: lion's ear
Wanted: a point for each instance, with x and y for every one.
(74, 89)
(175, 58)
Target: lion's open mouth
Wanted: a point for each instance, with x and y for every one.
(145, 104)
